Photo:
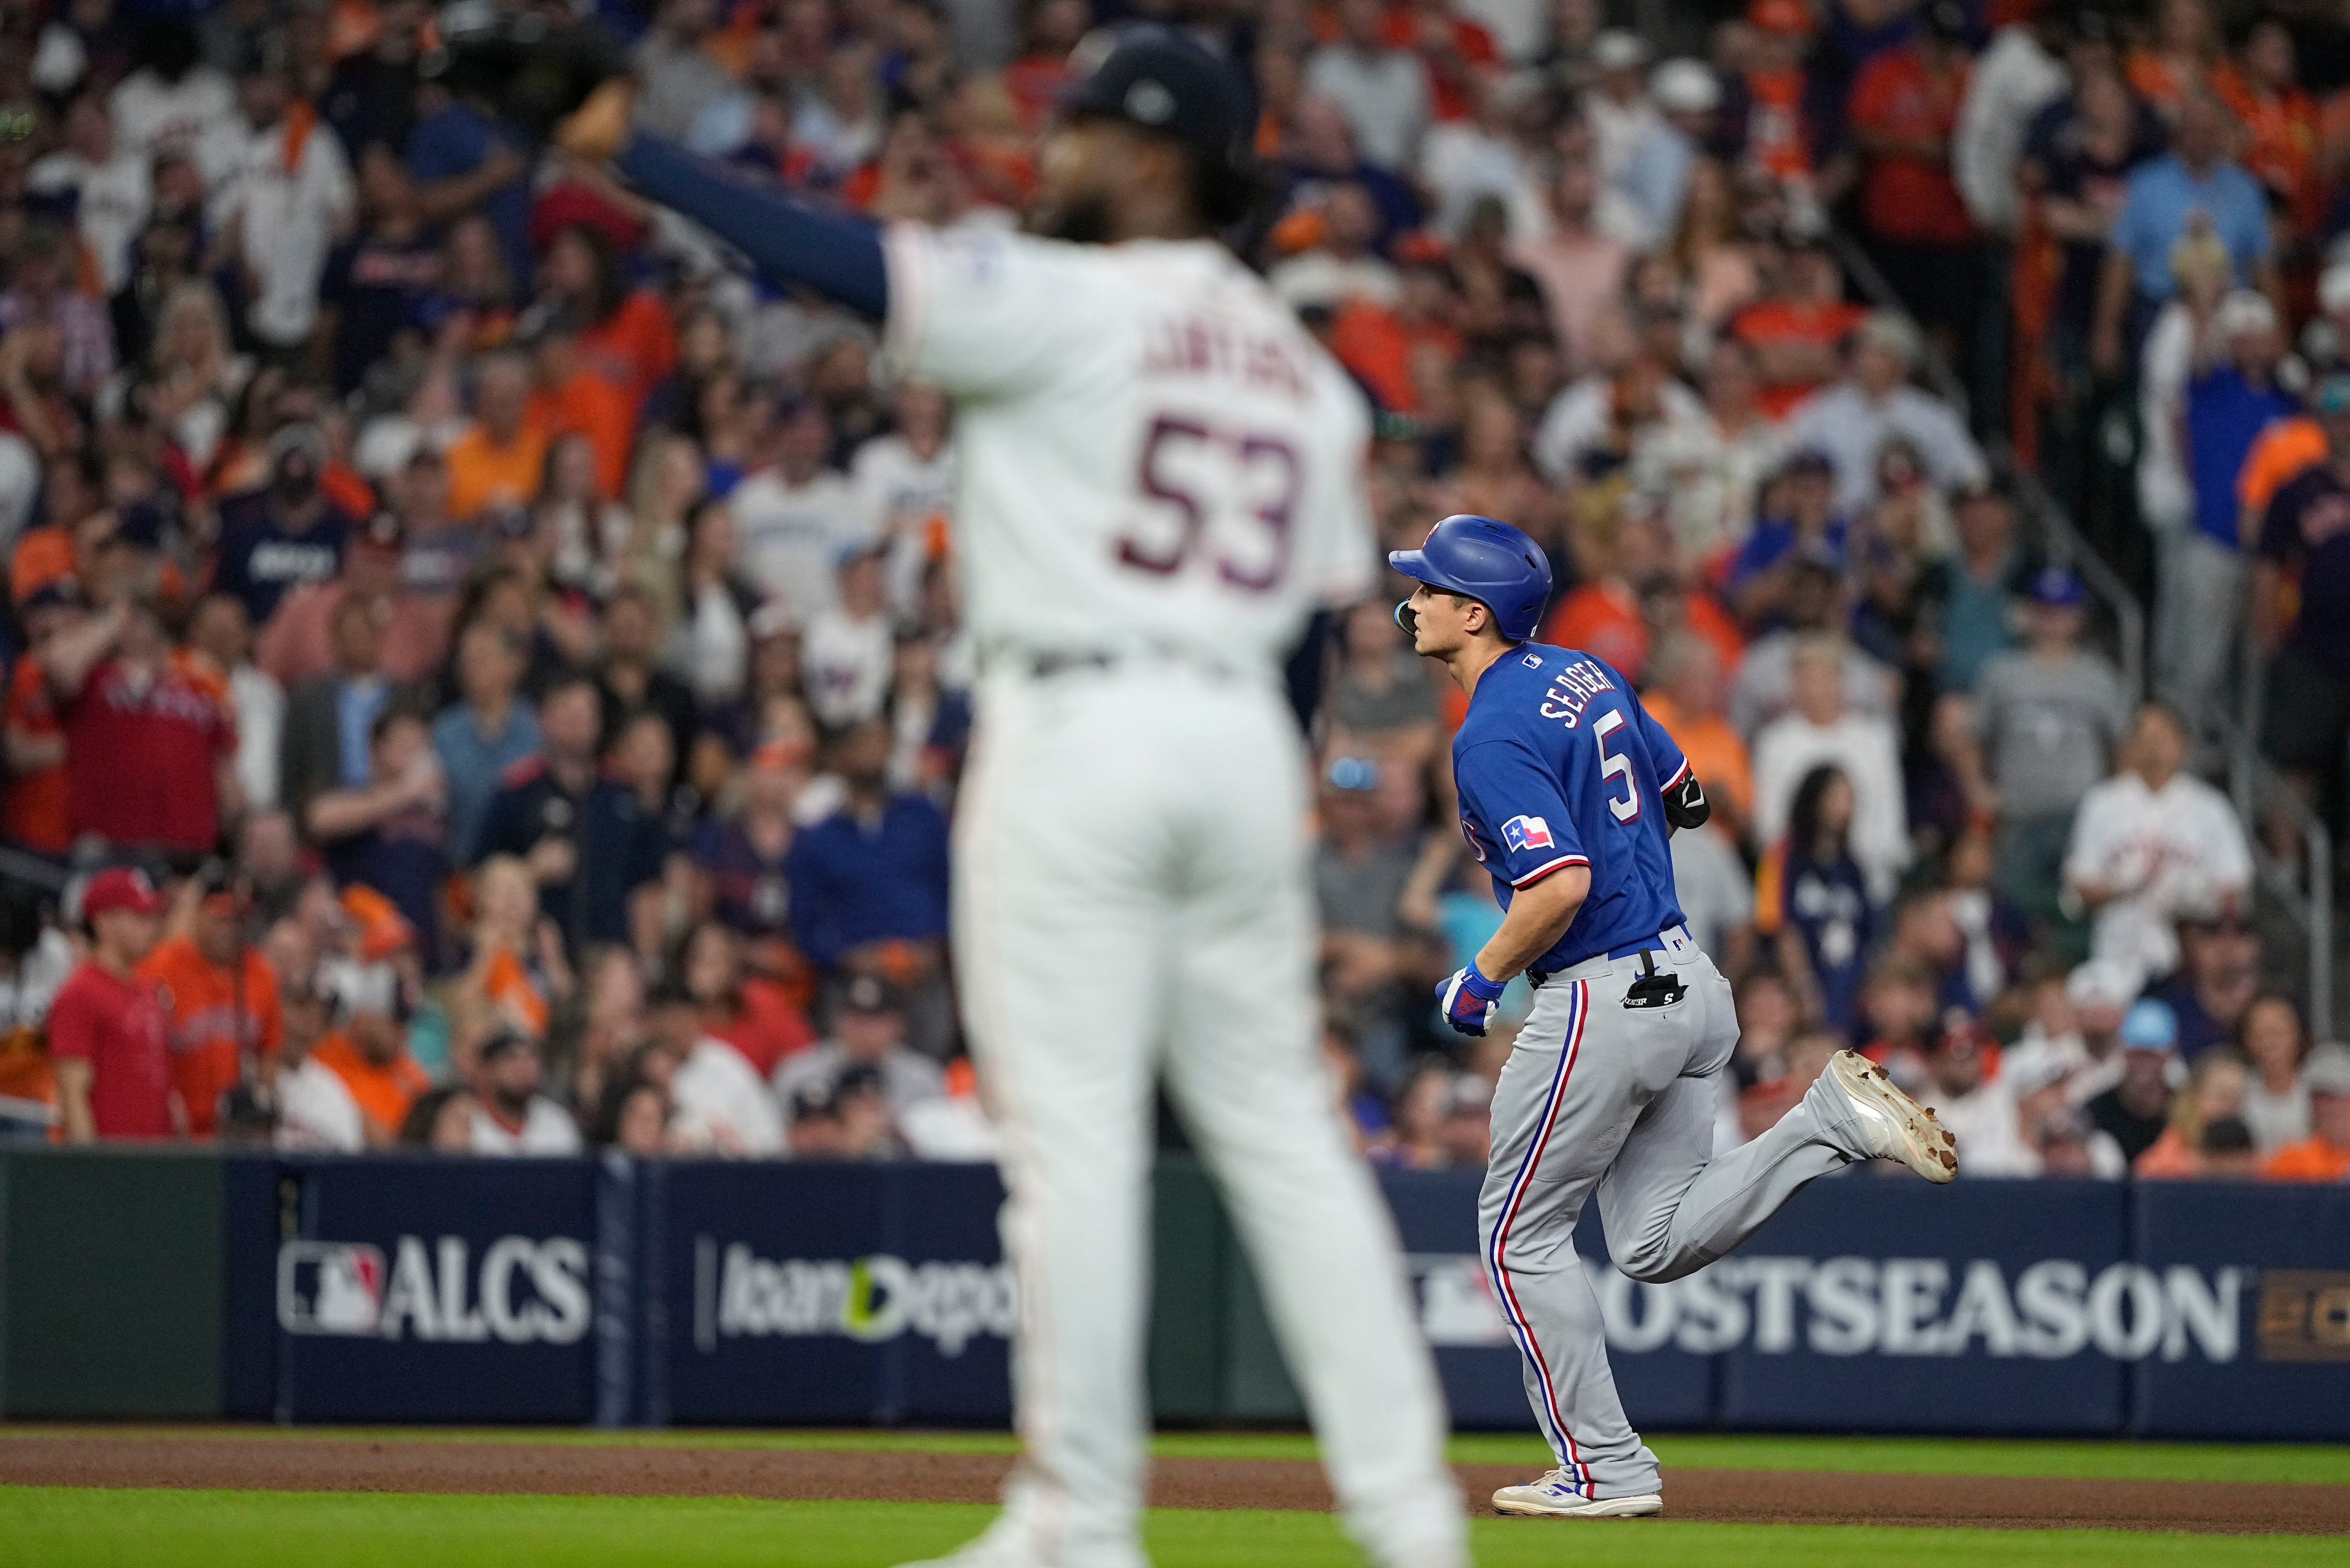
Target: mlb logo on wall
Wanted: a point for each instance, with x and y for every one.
(329, 1287)
(1523, 832)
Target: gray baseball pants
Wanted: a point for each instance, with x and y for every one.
(1599, 1097)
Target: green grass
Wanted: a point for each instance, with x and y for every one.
(2117, 1460)
(89, 1528)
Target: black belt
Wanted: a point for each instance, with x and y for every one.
(1053, 662)
(1655, 944)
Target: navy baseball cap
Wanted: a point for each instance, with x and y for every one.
(2056, 587)
(1158, 78)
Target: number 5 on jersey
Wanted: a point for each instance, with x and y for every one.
(1615, 764)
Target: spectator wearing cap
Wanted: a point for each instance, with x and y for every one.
(1359, 876)
(367, 1049)
(1852, 419)
(2273, 1042)
(287, 534)
(390, 832)
(1967, 599)
(2136, 1109)
(490, 728)
(500, 459)
(150, 750)
(2306, 533)
(869, 1042)
(1796, 523)
(794, 517)
(2152, 844)
(2325, 1155)
(107, 1031)
(1903, 111)
(1655, 172)
(2230, 398)
(2051, 716)
(282, 197)
(847, 654)
(591, 847)
(2193, 193)
(2214, 1093)
(509, 1115)
(1382, 90)
(1617, 103)
(316, 1112)
(222, 1015)
(868, 883)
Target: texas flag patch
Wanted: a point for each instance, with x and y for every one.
(1524, 833)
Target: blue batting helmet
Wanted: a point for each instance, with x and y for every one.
(1490, 562)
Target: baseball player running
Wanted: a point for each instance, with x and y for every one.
(1569, 793)
(1160, 478)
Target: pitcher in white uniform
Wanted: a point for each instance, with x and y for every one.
(1160, 479)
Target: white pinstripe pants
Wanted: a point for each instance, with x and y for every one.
(1132, 904)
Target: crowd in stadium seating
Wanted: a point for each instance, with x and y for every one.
(509, 657)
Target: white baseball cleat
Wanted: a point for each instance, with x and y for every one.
(1554, 1498)
(1895, 1126)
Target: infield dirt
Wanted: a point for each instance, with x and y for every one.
(1724, 1496)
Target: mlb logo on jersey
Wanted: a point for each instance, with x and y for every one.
(1534, 661)
(1524, 833)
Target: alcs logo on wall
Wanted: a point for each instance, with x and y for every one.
(870, 1299)
(523, 1291)
(1888, 1307)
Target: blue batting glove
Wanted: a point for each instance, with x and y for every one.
(1468, 999)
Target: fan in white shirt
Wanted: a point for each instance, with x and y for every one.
(509, 1115)
(848, 650)
(2150, 844)
(1980, 1112)
(282, 195)
(1821, 728)
(793, 518)
(109, 184)
(316, 1112)
(718, 1101)
(170, 103)
(905, 482)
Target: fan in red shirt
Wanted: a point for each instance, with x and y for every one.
(1903, 111)
(150, 747)
(106, 1026)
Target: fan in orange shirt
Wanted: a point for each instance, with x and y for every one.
(1684, 695)
(219, 1003)
(571, 396)
(2325, 1155)
(625, 335)
(368, 1050)
(500, 459)
(2281, 123)
(36, 802)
